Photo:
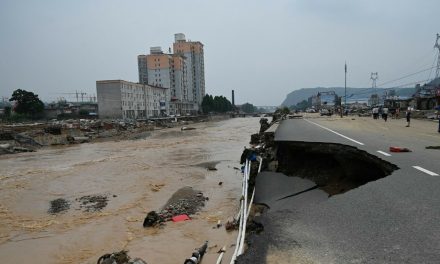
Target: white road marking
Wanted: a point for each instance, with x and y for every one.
(339, 134)
(425, 171)
(384, 153)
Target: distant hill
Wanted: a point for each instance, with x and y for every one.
(360, 94)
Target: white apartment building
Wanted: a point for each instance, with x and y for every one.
(128, 100)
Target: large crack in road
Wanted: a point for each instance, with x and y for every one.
(301, 175)
(335, 168)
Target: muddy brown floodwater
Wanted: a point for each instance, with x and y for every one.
(104, 191)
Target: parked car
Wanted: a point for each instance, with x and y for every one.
(325, 112)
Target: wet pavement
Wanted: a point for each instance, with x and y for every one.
(72, 204)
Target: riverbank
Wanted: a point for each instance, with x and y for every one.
(29, 137)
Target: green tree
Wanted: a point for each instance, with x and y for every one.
(7, 111)
(207, 104)
(302, 105)
(283, 110)
(217, 104)
(221, 104)
(26, 103)
(248, 108)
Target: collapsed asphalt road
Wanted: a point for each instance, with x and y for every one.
(391, 218)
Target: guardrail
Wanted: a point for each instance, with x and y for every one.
(244, 210)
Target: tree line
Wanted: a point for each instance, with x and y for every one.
(218, 104)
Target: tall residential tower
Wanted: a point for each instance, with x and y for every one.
(182, 72)
(194, 57)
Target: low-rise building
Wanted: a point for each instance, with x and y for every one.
(128, 100)
(427, 96)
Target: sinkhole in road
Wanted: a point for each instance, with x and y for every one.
(335, 168)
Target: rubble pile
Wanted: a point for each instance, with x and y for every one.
(29, 137)
(23, 137)
(185, 201)
(120, 257)
(182, 206)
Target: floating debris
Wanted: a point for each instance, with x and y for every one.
(151, 219)
(180, 218)
(59, 205)
(187, 128)
(120, 257)
(197, 255)
(93, 203)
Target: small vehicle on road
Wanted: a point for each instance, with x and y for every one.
(325, 112)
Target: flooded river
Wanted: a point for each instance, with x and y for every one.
(136, 177)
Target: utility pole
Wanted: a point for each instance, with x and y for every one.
(437, 46)
(374, 77)
(82, 96)
(345, 85)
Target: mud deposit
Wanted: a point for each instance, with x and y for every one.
(73, 204)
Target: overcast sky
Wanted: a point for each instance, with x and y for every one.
(262, 49)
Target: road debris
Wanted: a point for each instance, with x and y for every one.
(433, 147)
(399, 149)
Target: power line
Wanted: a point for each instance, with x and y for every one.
(430, 72)
(390, 88)
(406, 76)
